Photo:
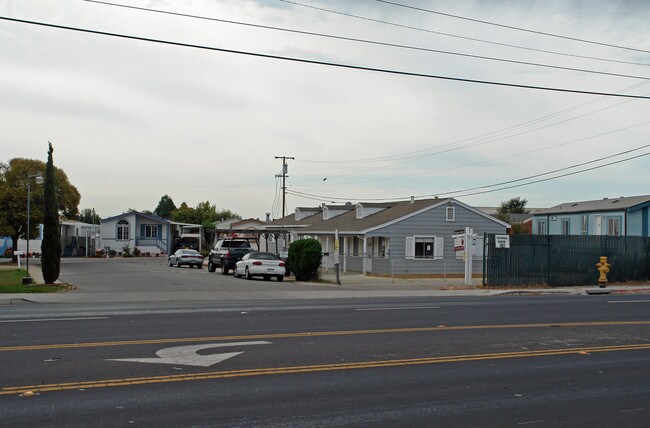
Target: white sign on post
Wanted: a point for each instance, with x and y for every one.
(18, 254)
(502, 241)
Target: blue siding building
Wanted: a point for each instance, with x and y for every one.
(624, 216)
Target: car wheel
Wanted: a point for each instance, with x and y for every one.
(199, 266)
(178, 263)
(211, 266)
(248, 274)
(170, 262)
(267, 277)
(224, 269)
(280, 278)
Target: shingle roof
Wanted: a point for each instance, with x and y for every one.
(348, 223)
(606, 204)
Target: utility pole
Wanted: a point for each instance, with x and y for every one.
(284, 178)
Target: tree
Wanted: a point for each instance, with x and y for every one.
(513, 206)
(165, 207)
(51, 246)
(186, 214)
(13, 197)
(88, 215)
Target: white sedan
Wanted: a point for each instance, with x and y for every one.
(266, 265)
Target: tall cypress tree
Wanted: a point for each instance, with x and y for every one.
(51, 246)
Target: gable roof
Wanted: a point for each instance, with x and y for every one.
(607, 204)
(148, 216)
(349, 223)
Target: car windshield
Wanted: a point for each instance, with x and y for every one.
(264, 256)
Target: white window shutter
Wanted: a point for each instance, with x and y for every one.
(438, 247)
(409, 250)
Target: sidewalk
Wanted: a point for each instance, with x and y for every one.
(352, 286)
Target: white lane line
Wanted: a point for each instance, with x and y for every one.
(532, 422)
(628, 301)
(398, 309)
(57, 319)
(633, 410)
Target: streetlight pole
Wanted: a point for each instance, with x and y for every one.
(39, 180)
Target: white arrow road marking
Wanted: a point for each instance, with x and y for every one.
(188, 356)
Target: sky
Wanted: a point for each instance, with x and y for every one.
(133, 120)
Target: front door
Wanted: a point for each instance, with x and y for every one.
(598, 226)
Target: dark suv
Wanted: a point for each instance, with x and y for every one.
(226, 253)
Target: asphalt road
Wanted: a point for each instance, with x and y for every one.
(510, 361)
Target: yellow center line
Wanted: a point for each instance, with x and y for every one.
(314, 334)
(312, 369)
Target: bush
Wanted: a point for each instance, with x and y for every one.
(126, 250)
(304, 259)
(112, 253)
(136, 252)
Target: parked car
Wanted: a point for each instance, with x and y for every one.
(186, 257)
(262, 264)
(226, 253)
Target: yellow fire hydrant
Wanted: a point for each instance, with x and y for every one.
(603, 268)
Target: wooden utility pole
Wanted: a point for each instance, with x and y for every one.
(284, 178)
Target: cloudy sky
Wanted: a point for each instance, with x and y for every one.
(133, 120)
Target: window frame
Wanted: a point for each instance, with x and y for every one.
(437, 247)
(148, 229)
(451, 210)
(123, 230)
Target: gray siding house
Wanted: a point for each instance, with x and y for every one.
(624, 216)
(405, 237)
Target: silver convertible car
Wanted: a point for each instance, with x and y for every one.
(257, 263)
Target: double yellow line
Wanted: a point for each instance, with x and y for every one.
(314, 334)
(35, 389)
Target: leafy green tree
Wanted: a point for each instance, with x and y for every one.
(186, 214)
(165, 207)
(51, 246)
(88, 215)
(513, 206)
(304, 259)
(13, 197)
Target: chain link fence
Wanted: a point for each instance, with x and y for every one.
(564, 260)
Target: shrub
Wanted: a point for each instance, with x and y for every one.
(113, 253)
(136, 251)
(126, 250)
(304, 259)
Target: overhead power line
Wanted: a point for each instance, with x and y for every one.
(323, 63)
(440, 33)
(510, 27)
(508, 183)
(378, 43)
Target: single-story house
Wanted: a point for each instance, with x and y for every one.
(149, 233)
(404, 237)
(623, 216)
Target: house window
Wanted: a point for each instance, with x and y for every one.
(566, 226)
(614, 226)
(584, 225)
(151, 231)
(424, 247)
(123, 229)
(451, 214)
(382, 247)
(541, 227)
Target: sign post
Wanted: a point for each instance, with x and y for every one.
(336, 259)
(464, 245)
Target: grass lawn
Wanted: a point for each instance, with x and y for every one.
(11, 281)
